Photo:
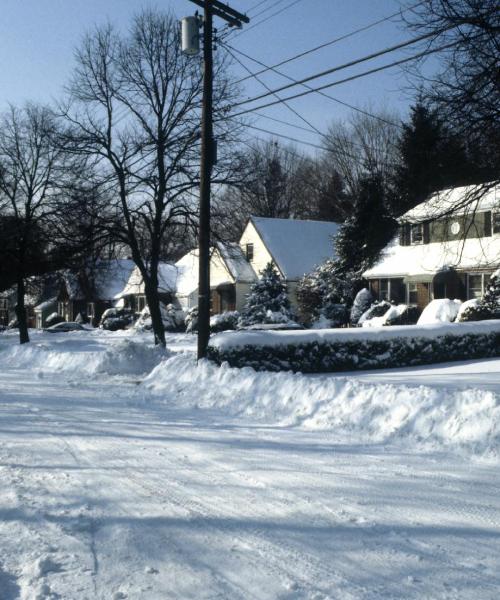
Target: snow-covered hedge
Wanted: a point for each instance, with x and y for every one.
(345, 350)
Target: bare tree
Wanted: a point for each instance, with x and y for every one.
(31, 165)
(361, 147)
(134, 107)
(465, 88)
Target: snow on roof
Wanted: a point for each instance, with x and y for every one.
(167, 281)
(46, 304)
(113, 277)
(187, 273)
(457, 201)
(297, 246)
(422, 259)
(236, 262)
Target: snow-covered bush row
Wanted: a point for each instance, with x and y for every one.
(344, 350)
(366, 413)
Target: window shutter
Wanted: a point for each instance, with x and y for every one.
(402, 237)
(487, 223)
(427, 233)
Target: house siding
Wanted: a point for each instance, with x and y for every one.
(261, 255)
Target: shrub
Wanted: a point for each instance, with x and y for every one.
(172, 317)
(191, 320)
(344, 355)
(114, 319)
(407, 316)
(377, 309)
(225, 321)
(361, 304)
(53, 319)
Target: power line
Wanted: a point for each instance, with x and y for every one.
(331, 42)
(297, 114)
(308, 87)
(311, 128)
(351, 63)
(346, 80)
(278, 12)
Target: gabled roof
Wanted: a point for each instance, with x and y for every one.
(455, 201)
(167, 281)
(297, 246)
(111, 276)
(236, 262)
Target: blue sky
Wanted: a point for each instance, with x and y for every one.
(37, 39)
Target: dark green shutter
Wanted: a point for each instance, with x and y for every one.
(487, 223)
(426, 233)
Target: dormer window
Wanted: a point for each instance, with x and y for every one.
(249, 252)
(417, 233)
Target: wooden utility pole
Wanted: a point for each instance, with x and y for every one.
(235, 19)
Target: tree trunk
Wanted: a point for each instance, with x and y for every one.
(21, 313)
(153, 300)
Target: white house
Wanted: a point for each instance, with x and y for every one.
(447, 247)
(133, 294)
(294, 246)
(230, 278)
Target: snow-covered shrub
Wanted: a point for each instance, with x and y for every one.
(488, 307)
(361, 304)
(333, 316)
(321, 291)
(443, 310)
(172, 317)
(472, 310)
(377, 309)
(403, 315)
(53, 319)
(267, 301)
(328, 355)
(191, 320)
(225, 321)
(114, 319)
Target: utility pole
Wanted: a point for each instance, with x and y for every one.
(235, 19)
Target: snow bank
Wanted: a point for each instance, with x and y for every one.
(366, 413)
(440, 311)
(124, 357)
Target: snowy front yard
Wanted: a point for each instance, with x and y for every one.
(216, 483)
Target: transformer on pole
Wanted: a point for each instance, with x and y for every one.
(190, 45)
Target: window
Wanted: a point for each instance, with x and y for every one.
(3, 304)
(475, 285)
(249, 252)
(384, 289)
(141, 303)
(91, 309)
(412, 293)
(417, 233)
(496, 222)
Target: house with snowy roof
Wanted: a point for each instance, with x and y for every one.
(231, 277)
(92, 291)
(133, 294)
(447, 247)
(294, 246)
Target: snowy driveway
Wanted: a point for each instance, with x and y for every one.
(107, 495)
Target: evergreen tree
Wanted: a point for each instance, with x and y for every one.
(431, 158)
(370, 228)
(267, 301)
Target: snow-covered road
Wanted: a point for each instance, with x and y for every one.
(106, 494)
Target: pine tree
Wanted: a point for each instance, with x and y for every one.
(491, 298)
(370, 228)
(267, 301)
(432, 158)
